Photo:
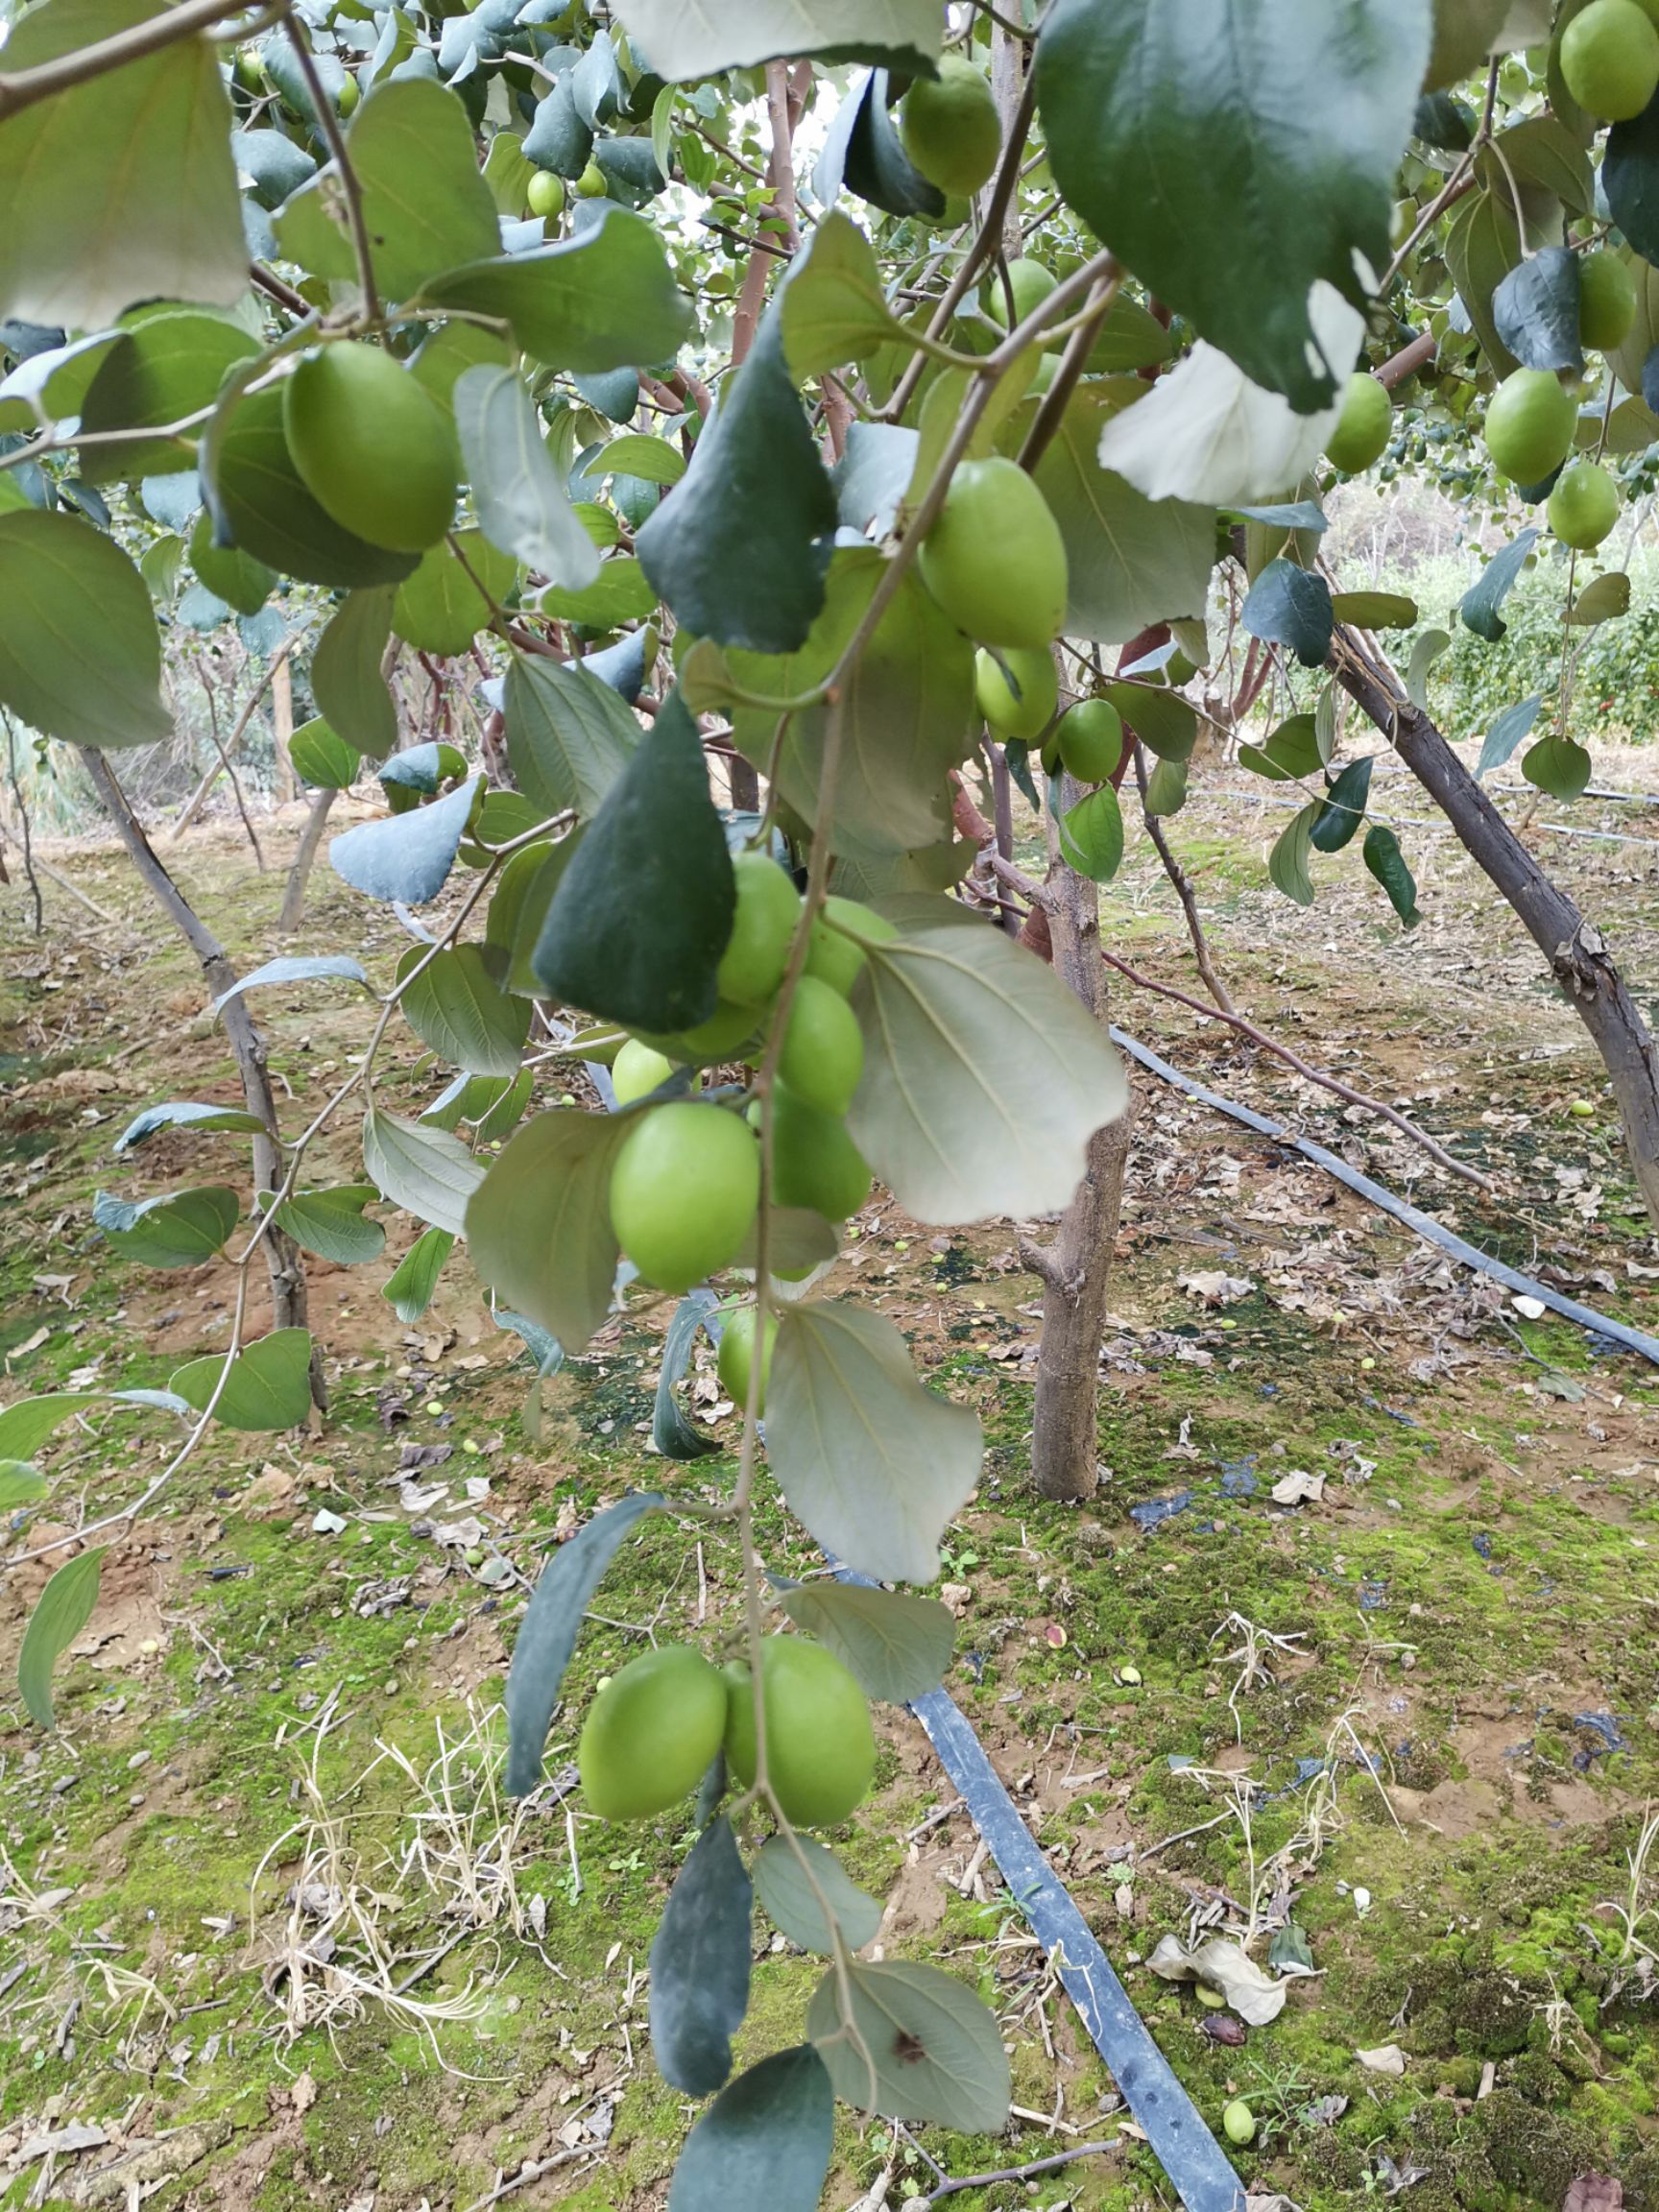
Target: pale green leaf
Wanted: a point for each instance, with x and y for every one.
(793, 1901)
(539, 1228)
(79, 654)
(520, 502)
(427, 1172)
(61, 1612)
(268, 1385)
(898, 1646)
(455, 1004)
(931, 2050)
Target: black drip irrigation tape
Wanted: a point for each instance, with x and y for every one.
(1180, 2140)
(1423, 1225)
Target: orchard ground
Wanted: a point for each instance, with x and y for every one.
(289, 1692)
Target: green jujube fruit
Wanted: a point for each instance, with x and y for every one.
(685, 1191)
(995, 559)
(819, 1746)
(1529, 424)
(1364, 427)
(1027, 713)
(950, 127)
(652, 1733)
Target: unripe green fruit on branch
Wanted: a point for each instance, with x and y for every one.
(1610, 60)
(1606, 300)
(376, 451)
(820, 1748)
(1529, 424)
(1029, 281)
(638, 1071)
(734, 1362)
(815, 1164)
(651, 1733)
(723, 1036)
(823, 1051)
(544, 194)
(995, 559)
(835, 952)
(1027, 713)
(1089, 740)
(758, 951)
(1584, 506)
(1364, 427)
(950, 127)
(685, 1191)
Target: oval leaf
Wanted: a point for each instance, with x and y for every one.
(268, 1385)
(897, 1646)
(764, 2143)
(61, 1612)
(408, 856)
(797, 1902)
(931, 2050)
(454, 1004)
(408, 1289)
(538, 1225)
(700, 1964)
(427, 1172)
(79, 654)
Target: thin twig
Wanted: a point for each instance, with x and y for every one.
(1182, 887)
(21, 89)
(1024, 2173)
(328, 122)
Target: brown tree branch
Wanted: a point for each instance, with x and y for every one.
(1182, 889)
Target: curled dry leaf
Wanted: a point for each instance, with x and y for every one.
(1252, 1993)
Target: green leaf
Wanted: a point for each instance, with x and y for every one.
(421, 772)
(604, 299)
(61, 1612)
(622, 594)
(700, 1964)
(1630, 181)
(1602, 601)
(1257, 199)
(441, 607)
(897, 1647)
(79, 654)
(872, 1464)
(793, 1900)
(984, 1076)
(797, 1240)
(277, 166)
(26, 1426)
(322, 759)
(1375, 610)
(237, 578)
(1541, 151)
(652, 460)
(180, 1229)
(1558, 765)
(930, 2050)
(1290, 754)
(835, 309)
(539, 1226)
(50, 385)
(644, 912)
(1288, 862)
(121, 188)
(1342, 810)
(1425, 652)
(455, 1005)
(1481, 248)
(307, 968)
(407, 856)
(688, 42)
(268, 1385)
(409, 1287)
(1167, 788)
(1387, 862)
(552, 1623)
(1162, 720)
(516, 492)
(260, 505)
(169, 366)
(1130, 338)
(1483, 598)
(764, 2143)
(1506, 733)
(352, 697)
(1536, 311)
(332, 1223)
(1291, 606)
(427, 1172)
(183, 1114)
(741, 548)
(1091, 835)
(20, 1485)
(907, 712)
(569, 735)
(1130, 561)
(425, 206)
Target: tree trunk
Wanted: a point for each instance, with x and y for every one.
(294, 896)
(1571, 946)
(286, 1268)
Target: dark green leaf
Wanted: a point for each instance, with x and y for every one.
(425, 206)
(1507, 732)
(644, 912)
(277, 166)
(1481, 248)
(181, 1114)
(1444, 122)
(764, 2143)
(321, 758)
(867, 155)
(61, 1612)
(168, 367)
(1288, 862)
(351, 694)
(1291, 606)
(551, 1624)
(408, 856)
(309, 967)
(427, 1172)
(652, 460)
(1548, 159)
(793, 1900)
(1130, 338)
(422, 769)
(1535, 310)
(622, 594)
(683, 43)
(931, 2050)
(1387, 862)
(1091, 835)
(455, 1004)
(700, 1964)
(120, 188)
(1342, 809)
(1602, 601)
(539, 1226)
(673, 1435)
(180, 1229)
(1630, 181)
(898, 1646)
(1162, 720)
(332, 1223)
(79, 655)
(453, 593)
(1558, 765)
(1483, 598)
(1288, 515)
(408, 1289)
(874, 1464)
(569, 735)
(1167, 788)
(741, 548)
(1257, 199)
(50, 386)
(557, 138)
(260, 505)
(1374, 609)
(1290, 754)
(520, 502)
(237, 578)
(604, 299)
(268, 1385)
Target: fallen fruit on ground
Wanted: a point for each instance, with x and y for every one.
(820, 1748)
(1239, 2122)
(651, 1733)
